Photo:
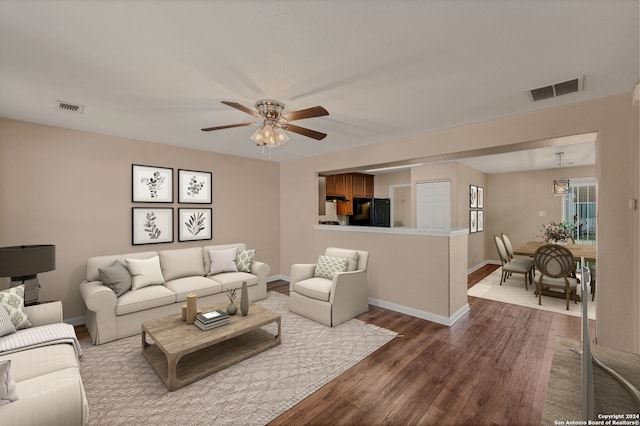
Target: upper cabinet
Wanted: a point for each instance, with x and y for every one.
(336, 185)
(349, 186)
(362, 185)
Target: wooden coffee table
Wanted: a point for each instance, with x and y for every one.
(181, 353)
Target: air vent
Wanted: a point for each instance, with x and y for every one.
(69, 107)
(557, 89)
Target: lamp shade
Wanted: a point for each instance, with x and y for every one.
(20, 261)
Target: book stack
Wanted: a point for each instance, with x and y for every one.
(213, 319)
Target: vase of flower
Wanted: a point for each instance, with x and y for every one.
(232, 309)
(244, 299)
(557, 233)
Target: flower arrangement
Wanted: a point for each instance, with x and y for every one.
(231, 294)
(560, 231)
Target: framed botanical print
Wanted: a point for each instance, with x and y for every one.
(194, 224)
(480, 221)
(151, 225)
(473, 196)
(151, 184)
(480, 197)
(473, 221)
(194, 187)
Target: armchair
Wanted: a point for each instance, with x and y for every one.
(330, 301)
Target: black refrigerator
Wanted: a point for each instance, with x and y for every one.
(371, 212)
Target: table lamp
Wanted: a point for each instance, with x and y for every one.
(23, 263)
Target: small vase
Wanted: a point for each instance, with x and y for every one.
(232, 309)
(244, 300)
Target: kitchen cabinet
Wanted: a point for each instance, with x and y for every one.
(336, 185)
(346, 207)
(348, 185)
(362, 185)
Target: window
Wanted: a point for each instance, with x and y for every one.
(579, 208)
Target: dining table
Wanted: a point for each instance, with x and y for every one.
(578, 250)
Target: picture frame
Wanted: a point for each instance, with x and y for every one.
(194, 187)
(480, 197)
(195, 224)
(150, 184)
(480, 221)
(473, 221)
(473, 196)
(151, 225)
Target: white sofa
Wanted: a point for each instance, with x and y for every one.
(48, 382)
(184, 271)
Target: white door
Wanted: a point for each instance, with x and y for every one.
(433, 203)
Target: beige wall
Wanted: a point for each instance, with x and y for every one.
(382, 182)
(468, 176)
(614, 118)
(73, 189)
(515, 201)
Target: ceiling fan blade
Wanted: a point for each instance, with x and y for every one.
(228, 126)
(306, 132)
(316, 111)
(242, 108)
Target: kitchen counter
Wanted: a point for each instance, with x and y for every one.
(397, 230)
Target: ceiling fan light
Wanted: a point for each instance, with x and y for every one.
(257, 136)
(281, 136)
(267, 132)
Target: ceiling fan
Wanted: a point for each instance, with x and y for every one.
(273, 123)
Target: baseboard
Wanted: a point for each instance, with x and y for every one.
(485, 263)
(448, 321)
(277, 277)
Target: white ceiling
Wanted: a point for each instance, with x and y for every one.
(157, 70)
(564, 154)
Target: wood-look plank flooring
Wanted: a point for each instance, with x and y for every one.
(490, 368)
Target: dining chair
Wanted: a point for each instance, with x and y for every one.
(509, 247)
(509, 267)
(555, 264)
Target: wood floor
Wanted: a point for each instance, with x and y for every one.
(490, 368)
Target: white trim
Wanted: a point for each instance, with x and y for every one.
(277, 277)
(485, 263)
(383, 230)
(448, 321)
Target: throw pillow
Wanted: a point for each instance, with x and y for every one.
(145, 272)
(223, 260)
(117, 277)
(328, 266)
(12, 300)
(244, 259)
(7, 385)
(6, 326)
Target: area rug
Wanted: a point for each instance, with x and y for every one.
(123, 389)
(512, 291)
